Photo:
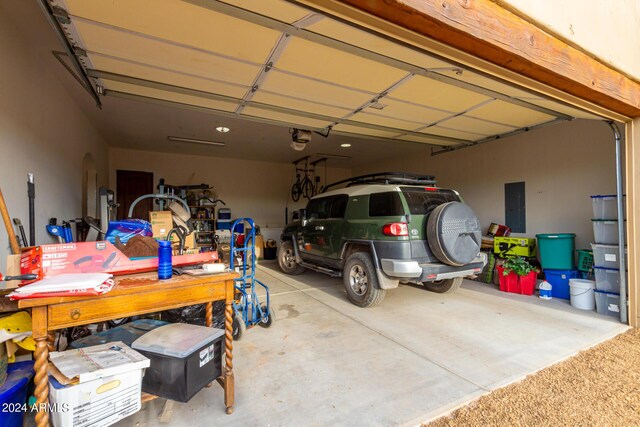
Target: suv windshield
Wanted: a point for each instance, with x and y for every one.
(422, 201)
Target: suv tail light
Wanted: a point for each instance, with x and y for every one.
(396, 229)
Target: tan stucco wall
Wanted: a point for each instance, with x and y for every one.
(561, 165)
(42, 130)
(609, 30)
(259, 190)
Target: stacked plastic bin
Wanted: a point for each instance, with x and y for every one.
(606, 254)
(556, 257)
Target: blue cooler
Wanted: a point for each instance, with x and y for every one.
(559, 280)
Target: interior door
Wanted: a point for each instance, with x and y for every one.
(129, 186)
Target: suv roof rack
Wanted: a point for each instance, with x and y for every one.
(385, 178)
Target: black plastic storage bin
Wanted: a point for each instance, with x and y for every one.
(184, 359)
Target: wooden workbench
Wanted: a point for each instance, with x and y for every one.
(133, 295)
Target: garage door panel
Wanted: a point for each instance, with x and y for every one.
(278, 9)
(289, 119)
(384, 121)
(469, 124)
(486, 83)
(402, 110)
(431, 93)
(116, 44)
(331, 65)
(430, 141)
(500, 111)
(354, 36)
(156, 75)
(364, 131)
(169, 96)
(301, 105)
(311, 90)
(183, 23)
(561, 108)
(453, 133)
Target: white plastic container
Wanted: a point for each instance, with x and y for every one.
(581, 293)
(605, 231)
(545, 290)
(607, 279)
(607, 256)
(605, 207)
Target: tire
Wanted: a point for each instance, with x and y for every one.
(238, 328)
(270, 317)
(453, 233)
(296, 191)
(307, 189)
(445, 286)
(361, 282)
(287, 259)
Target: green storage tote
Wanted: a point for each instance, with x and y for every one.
(556, 250)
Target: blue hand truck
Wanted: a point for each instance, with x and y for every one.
(248, 311)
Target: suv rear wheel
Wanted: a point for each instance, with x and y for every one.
(444, 286)
(287, 259)
(361, 282)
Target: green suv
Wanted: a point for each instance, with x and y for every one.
(378, 230)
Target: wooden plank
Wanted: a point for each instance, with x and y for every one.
(486, 30)
(632, 184)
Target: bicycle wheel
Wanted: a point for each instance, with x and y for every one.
(307, 188)
(296, 191)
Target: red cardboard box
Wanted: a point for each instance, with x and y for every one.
(94, 257)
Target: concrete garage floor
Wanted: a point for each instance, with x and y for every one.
(413, 358)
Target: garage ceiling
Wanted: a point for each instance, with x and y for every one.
(275, 62)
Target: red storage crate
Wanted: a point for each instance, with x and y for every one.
(508, 283)
(528, 283)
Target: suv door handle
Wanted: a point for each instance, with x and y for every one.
(319, 227)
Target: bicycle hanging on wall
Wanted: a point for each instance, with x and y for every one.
(307, 184)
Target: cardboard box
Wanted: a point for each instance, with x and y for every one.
(161, 223)
(507, 247)
(259, 247)
(94, 257)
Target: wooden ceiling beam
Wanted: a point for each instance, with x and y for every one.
(488, 31)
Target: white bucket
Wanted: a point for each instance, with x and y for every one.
(545, 290)
(582, 294)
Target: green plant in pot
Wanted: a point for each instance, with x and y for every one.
(520, 266)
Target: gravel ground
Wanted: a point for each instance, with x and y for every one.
(597, 387)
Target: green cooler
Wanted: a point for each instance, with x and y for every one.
(556, 250)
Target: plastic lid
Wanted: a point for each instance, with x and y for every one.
(605, 292)
(176, 339)
(582, 283)
(18, 375)
(164, 243)
(606, 268)
(606, 196)
(556, 236)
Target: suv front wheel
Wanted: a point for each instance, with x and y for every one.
(444, 286)
(361, 282)
(287, 259)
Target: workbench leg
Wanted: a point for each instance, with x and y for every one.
(41, 356)
(209, 322)
(229, 399)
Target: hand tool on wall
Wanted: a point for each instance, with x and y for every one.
(23, 235)
(13, 241)
(31, 192)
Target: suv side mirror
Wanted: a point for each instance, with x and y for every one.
(302, 214)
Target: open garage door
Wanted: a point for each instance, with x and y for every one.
(276, 62)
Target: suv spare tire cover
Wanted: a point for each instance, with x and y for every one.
(453, 233)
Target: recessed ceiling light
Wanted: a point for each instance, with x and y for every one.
(345, 145)
(223, 129)
(195, 141)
